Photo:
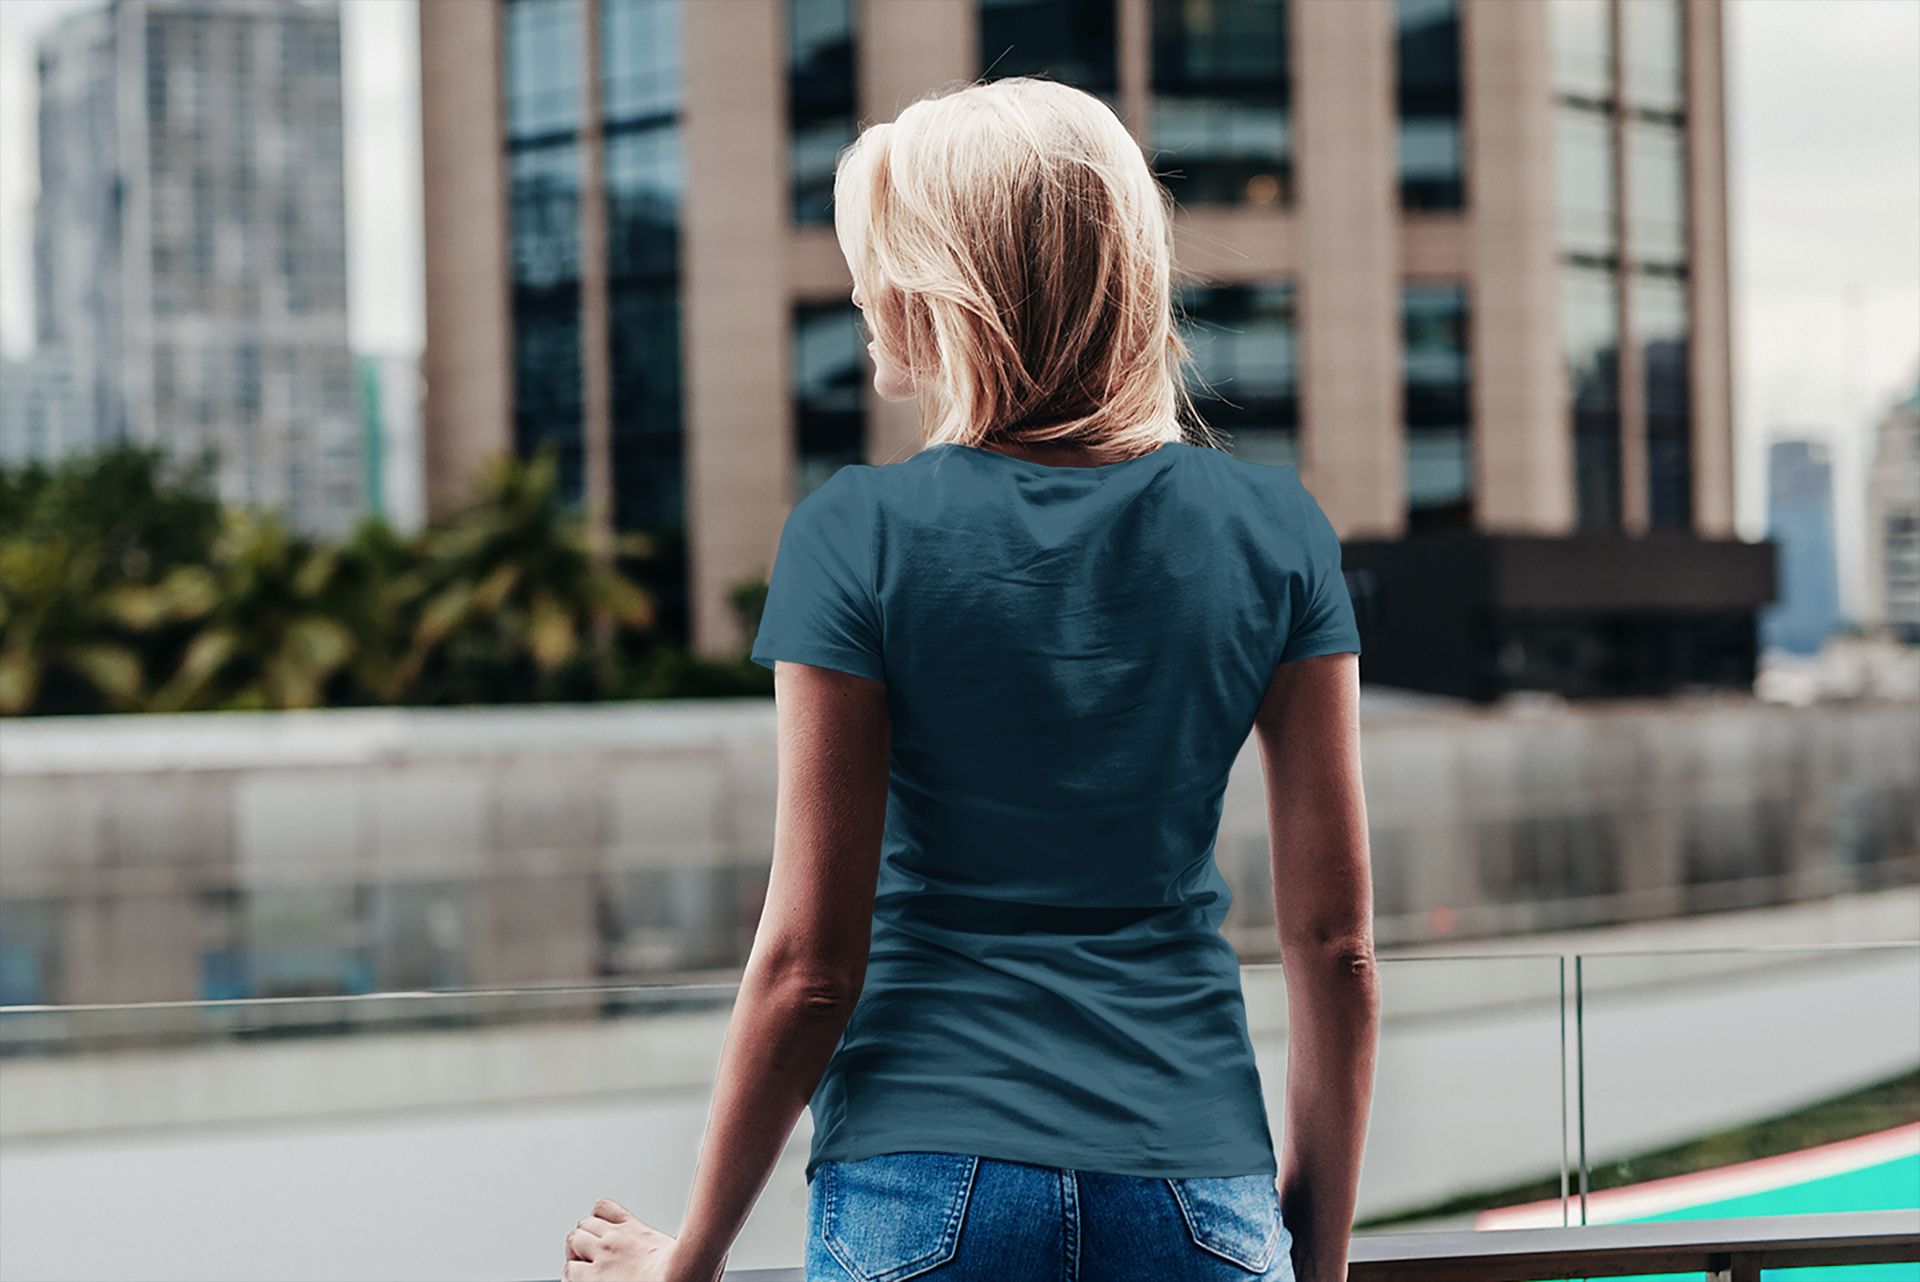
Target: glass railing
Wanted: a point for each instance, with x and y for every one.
(1750, 1082)
(402, 1135)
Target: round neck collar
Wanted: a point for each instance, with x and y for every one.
(1067, 467)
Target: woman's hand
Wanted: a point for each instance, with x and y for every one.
(611, 1243)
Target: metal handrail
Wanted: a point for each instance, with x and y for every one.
(1721, 1250)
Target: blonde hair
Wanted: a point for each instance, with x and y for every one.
(1016, 257)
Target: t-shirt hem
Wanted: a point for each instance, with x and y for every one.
(1102, 1160)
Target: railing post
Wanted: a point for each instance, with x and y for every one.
(1580, 1070)
(1738, 1266)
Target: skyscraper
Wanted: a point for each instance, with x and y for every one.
(1463, 262)
(191, 242)
(1800, 522)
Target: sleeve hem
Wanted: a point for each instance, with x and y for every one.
(815, 654)
(1316, 647)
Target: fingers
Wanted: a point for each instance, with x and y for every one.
(582, 1245)
(611, 1211)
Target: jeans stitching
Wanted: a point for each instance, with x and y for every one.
(943, 1252)
(957, 1212)
(1268, 1249)
(1070, 1224)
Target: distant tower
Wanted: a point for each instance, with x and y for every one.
(1893, 522)
(191, 242)
(1800, 521)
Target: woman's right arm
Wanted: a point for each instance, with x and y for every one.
(1309, 734)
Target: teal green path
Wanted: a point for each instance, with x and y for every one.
(1889, 1186)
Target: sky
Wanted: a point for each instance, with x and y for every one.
(1824, 179)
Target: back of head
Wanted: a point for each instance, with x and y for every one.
(1016, 254)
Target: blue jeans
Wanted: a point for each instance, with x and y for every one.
(950, 1218)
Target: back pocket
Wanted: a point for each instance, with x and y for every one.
(895, 1217)
(1237, 1219)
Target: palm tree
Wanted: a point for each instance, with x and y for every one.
(55, 618)
(269, 632)
(513, 582)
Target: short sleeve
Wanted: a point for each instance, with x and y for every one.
(1323, 615)
(820, 606)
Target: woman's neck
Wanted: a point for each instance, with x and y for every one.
(1049, 455)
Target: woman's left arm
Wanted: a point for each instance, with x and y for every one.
(802, 978)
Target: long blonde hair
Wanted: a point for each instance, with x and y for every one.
(1016, 255)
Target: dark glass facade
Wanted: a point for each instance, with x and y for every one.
(1588, 200)
(829, 375)
(543, 101)
(1653, 44)
(1245, 380)
(1427, 90)
(1222, 126)
(822, 100)
(645, 175)
(1590, 336)
(1438, 411)
(1072, 41)
(1660, 326)
(1619, 72)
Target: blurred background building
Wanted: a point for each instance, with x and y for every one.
(191, 245)
(1463, 262)
(39, 414)
(1800, 524)
(390, 394)
(1893, 523)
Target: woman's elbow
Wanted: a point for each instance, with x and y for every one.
(1344, 955)
(817, 988)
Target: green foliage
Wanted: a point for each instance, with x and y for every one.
(124, 586)
(79, 543)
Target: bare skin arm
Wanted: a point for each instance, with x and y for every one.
(1308, 729)
(802, 978)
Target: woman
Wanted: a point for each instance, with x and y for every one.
(1012, 674)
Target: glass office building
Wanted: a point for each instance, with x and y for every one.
(190, 245)
(1449, 258)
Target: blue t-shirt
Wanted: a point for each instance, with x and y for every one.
(1073, 659)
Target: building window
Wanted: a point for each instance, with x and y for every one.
(1428, 90)
(1590, 336)
(1653, 42)
(1438, 417)
(1071, 41)
(1585, 156)
(1245, 376)
(828, 377)
(543, 101)
(821, 100)
(1625, 250)
(1660, 327)
(645, 173)
(542, 68)
(1657, 193)
(544, 206)
(640, 62)
(1222, 130)
(1582, 36)
(1588, 204)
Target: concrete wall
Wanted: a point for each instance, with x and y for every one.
(355, 849)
